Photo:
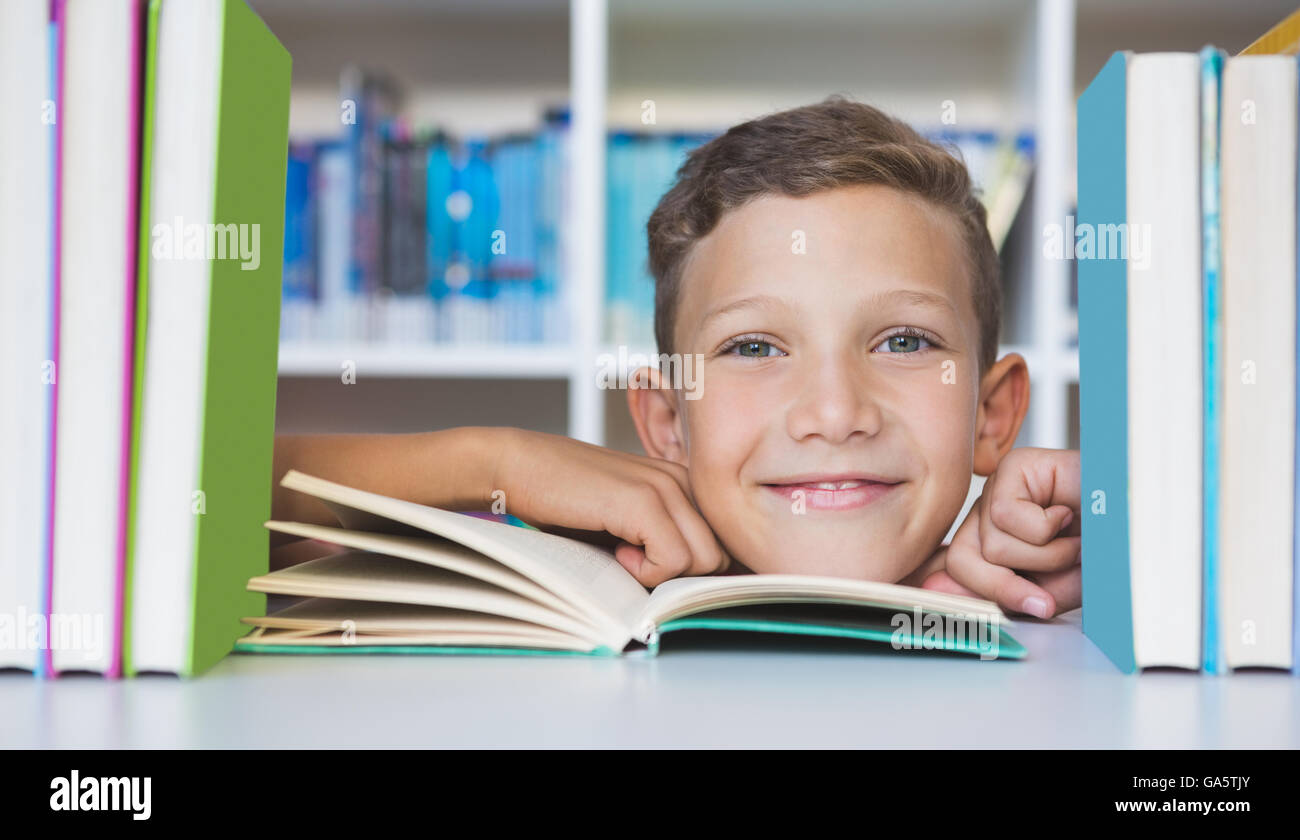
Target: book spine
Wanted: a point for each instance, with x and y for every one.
(137, 355)
(1295, 522)
(1103, 369)
(45, 662)
(1211, 78)
(132, 234)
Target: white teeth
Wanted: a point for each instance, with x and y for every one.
(837, 485)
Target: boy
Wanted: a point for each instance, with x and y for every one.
(832, 274)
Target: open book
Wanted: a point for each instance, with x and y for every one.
(416, 579)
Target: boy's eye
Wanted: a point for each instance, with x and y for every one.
(904, 343)
(752, 348)
(755, 349)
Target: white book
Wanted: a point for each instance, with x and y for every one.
(99, 130)
(26, 319)
(1258, 219)
(1163, 162)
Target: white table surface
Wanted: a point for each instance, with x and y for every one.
(1066, 693)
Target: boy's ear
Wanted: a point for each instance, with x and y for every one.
(655, 412)
(1004, 399)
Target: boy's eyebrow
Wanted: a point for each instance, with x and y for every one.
(915, 297)
(753, 302)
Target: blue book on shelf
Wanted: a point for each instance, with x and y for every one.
(440, 184)
(474, 232)
(1211, 264)
(618, 165)
(299, 225)
(1103, 370)
(551, 150)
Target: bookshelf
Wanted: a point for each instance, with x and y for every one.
(495, 65)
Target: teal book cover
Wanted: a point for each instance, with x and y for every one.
(999, 643)
(1103, 370)
(1211, 264)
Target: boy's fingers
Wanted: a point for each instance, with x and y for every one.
(1065, 586)
(630, 557)
(1023, 518)
(707, 555)
(1034, 493)
(999, 584)
(645, 521)
(1003, 550)
(941, 581)
(670, 481)
(674, 471)
(1012, 535)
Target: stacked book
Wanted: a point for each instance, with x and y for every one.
(141, 229)
(1186, 247)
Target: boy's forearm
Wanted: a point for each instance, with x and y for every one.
(452, 469)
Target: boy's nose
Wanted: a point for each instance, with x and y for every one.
(834, 403)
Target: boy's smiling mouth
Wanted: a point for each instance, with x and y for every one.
(831, 492)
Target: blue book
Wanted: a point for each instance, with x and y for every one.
(1103, 370)
(619, 164)
(336, 299)
(551, 151)
(1211, 264)
(474, 241)
(441, 228)
(299, 224)
(372, 101)
(1138, 242)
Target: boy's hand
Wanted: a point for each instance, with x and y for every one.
(560, 484)
(1019, 546)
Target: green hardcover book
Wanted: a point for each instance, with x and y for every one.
(215, 145)
(415, 579)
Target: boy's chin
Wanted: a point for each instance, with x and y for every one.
(885, 566)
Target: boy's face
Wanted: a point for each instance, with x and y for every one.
(837, 425)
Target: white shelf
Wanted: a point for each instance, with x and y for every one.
(430, 361)
(483, 67)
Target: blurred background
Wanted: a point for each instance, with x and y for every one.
(469, 180)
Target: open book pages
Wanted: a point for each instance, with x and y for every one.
(328, 621)
(411, 574)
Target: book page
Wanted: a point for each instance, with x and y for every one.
(684, 596)
(365, 576)
(408, 641)
(584, 575)
(434, 551)
(326, 620)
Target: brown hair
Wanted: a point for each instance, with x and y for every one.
(834, 143)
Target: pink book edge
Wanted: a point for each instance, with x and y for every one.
(56, 18)
(133, 164)
(128, 337)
